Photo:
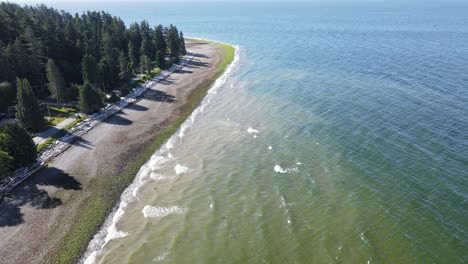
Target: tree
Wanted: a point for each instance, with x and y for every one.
(28, 112)
(159, 60)
(124, 71)
(173, 40)
(90, 100)
(145, 64)
(133, 54)
(56, 82)
(90, 70)
(18, 144)
(7, 95)
(159, 41)
(6, 164)
(183, 51)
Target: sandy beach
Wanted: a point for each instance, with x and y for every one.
(46, 213)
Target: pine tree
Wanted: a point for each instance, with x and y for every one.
(174, 43)
(159, 60)
(6, 164)
(133, 54)
(90, 70)
(18, 144)
(124, 71)
(159, 41)
(183, 51)
(145, 64)
(28, 112)
(56, 82)
(7, 95)
(89, 99)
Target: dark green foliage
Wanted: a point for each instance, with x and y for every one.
(90, 100)
(17, 143)
(125, 73)
(90, 70)
(145, 64)
(84, 48)
(6, 164)
(28, 112)
(159, 60)
(183, 51)
(114, 97)
(175, 42)
(159, 41)
(7, 95)
(56, 82)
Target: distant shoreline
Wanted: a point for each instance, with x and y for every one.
(80, 187)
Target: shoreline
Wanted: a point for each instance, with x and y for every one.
(109, 231)
(90, 198)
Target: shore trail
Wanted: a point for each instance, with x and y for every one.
(38, 215)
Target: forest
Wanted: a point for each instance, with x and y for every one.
(93, 46)
(47, 55)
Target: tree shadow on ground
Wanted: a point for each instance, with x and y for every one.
(197, 55)
(137, 107)
(118, 119)
(196, 64)
(81, 142)
(31, 193)
(159, 96)
(166, 81)
(183, 71)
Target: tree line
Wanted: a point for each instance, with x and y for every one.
(55, 50)
(47, 54)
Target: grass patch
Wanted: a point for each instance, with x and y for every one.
(55, 115)
(105, 191)
(62, 132)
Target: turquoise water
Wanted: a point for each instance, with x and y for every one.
(365, 108)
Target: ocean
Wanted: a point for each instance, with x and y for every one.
(340, 135)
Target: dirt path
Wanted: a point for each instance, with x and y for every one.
(38, 214)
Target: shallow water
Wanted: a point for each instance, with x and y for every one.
(339, 137)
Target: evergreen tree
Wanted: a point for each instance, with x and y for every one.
(90, 70)
(159, 41)
(18, 144)
(106, 72)
(133, 55)
(145, 64)
(56, 82)
(173, 40)
(7, 95)
(183, 51)
(124, 71)
(6, 164)
(159, 60)
(28, 111)
(89, 99)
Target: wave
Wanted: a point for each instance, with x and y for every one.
(99, 241)
(155, 211)
(179, 169)
(251, 130)
(280, 169)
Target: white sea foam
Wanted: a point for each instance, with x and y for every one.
(254, 136)
(251, 130)
(279, 169)
(155, 211)
(162, 257)
(270, 147)
(98, 242)
(180, 169)
(158, 177)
